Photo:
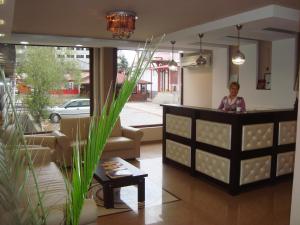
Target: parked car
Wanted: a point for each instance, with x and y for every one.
(71, 108)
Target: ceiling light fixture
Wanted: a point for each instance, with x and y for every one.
(2, 35)
(238, 58)
(24, 42)
(121, 23)
(79, 45)
(2, 21)
(172, 64)
(201, 59)
(2, 2)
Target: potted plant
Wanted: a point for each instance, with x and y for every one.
(14, 168)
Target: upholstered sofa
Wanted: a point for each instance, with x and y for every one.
(50, 179)
(53, 189)
(124, 142)
(39, 139)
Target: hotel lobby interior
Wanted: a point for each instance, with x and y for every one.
(205, 164)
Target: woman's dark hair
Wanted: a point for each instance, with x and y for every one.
(234, 83)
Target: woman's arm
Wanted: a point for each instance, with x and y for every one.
(221, 106)
(242, 104)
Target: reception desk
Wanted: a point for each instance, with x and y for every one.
(234, 150)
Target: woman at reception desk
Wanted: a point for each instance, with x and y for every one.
(237, 151)
(232, 102)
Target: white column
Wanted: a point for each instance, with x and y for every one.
(295, 208)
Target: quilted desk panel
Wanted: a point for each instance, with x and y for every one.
(257, 136)
(178, 152)
(179, 125)
(213, 133)
(213, 165)
(287, 132)
(285, 163)
(255, 169)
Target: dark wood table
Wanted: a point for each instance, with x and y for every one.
(108, 184)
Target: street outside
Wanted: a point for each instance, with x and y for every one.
(141, 113)
(133, 114)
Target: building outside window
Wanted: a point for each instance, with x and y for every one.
(70, 83)
(158, 85)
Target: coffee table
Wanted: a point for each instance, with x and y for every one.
(108, 184)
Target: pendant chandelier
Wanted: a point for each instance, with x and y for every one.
(121, 23)
(2, 58)
(238, 58)
(172, 64)
(201, 59)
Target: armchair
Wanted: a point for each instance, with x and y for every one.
(124, 142)
(34, 141)
(45, 140)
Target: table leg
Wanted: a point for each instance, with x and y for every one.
(108, 196)
(141, 190)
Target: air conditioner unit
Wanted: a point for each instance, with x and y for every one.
(190, 60)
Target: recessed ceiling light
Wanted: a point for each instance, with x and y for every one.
(24, 42)
(78, 45)
(2, 35)
(2, 21)
(180, 51)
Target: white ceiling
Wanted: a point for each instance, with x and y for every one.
(43, 23)
(216, 33)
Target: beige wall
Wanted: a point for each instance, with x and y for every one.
(281, 94)
(197, 89)
(220, 75)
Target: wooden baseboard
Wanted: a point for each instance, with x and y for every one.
(152, 142)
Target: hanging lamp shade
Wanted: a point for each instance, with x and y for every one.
(201, 59)
(121, 23)
(238, 58)
(172, 64)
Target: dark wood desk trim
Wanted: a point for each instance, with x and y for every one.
(235, 154)
(137, 178)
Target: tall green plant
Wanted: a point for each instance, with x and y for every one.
(99, 131)
(16, 206)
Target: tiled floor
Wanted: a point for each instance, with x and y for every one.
(202, 203)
